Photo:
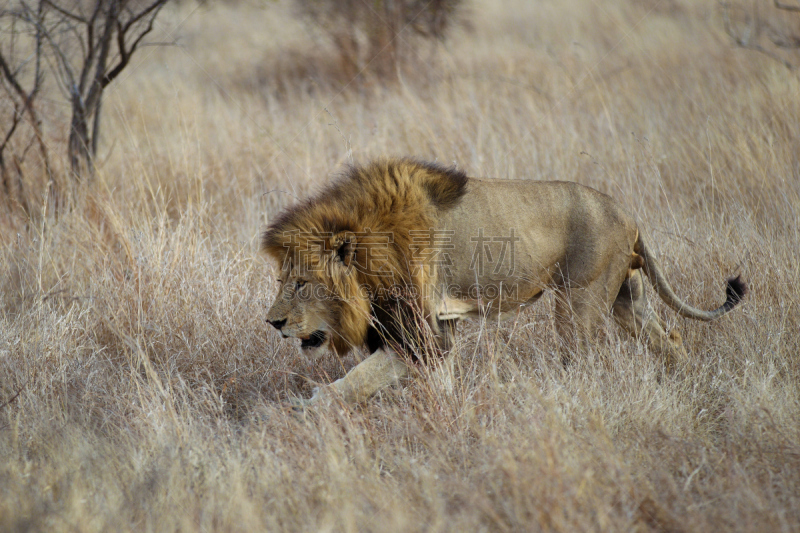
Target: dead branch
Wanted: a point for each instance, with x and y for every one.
(14, 397)
(88, 44)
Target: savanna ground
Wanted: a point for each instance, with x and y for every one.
(151, 393)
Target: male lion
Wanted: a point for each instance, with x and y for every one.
(392, 254)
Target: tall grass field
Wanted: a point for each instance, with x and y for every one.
(142, 389)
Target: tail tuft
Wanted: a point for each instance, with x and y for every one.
(735, 291)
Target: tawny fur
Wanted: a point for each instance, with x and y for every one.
(563, 236)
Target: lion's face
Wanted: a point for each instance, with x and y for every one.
(305, 310)
(318, 302)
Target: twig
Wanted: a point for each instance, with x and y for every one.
(7, 402)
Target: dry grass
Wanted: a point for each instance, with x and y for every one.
(150, 387)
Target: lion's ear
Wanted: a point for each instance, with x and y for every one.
(343, 246)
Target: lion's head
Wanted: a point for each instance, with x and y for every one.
(319, 297)
(344, 253)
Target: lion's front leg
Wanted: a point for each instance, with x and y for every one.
(378, 371)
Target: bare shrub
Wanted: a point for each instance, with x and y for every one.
(21, 75)
(380, 36)
(83, 45)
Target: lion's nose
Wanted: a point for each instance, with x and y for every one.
(277, 324)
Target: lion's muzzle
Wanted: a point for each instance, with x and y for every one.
(315, 340)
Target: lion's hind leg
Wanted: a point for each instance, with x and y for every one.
(630, 312)
(579, 313)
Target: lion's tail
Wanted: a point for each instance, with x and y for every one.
(735, 290)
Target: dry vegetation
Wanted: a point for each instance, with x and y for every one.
(141, 389)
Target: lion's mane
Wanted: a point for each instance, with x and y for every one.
(399, 198)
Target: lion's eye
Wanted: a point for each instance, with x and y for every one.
(299, 283)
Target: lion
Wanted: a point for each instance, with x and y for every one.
(392, 254)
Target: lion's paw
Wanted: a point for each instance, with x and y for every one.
(300, 404)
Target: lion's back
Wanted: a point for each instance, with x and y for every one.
(525, 226)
